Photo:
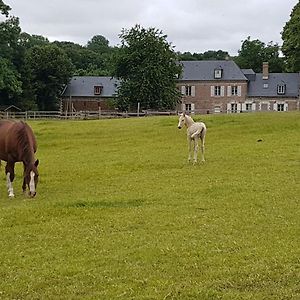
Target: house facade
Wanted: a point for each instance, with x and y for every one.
(89, 93)
(206, 87)
(222, 87)
(274, 91)
(212, 86)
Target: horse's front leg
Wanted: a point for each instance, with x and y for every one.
(10, 175)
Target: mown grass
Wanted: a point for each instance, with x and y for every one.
(120, 214)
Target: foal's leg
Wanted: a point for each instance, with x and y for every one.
(202, 137)
(195, 148)
(10, 175)
(189, 140)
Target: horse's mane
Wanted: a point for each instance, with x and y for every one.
(23, 140)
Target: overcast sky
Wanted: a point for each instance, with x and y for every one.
(190, 25)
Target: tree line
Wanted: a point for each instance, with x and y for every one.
(34, 71)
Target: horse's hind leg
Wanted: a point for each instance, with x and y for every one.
(195, 149)
(202, 137)
(10, 175)
(189, 147)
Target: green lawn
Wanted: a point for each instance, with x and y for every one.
(121, 214)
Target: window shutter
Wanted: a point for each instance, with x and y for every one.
(239, 91)
(229, 91)
(212, 91)
(238, 107)
(243, 107)
(285, 107)
(228, 107)
(275, 106)
(193, 91)
(253, 106)
(192, 106)
(222, 91)
(182, 90)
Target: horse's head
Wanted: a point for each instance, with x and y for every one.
(31, 178)
(181, 120)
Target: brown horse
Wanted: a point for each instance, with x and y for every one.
(18, 144)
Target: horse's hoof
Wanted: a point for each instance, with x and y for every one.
(11, 196)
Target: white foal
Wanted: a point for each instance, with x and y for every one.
(195, 130)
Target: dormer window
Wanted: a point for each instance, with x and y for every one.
(218, 73)
(281, 89)
(98, 89)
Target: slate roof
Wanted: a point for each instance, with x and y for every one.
(83, 86)
(204, 70)
(257, 88)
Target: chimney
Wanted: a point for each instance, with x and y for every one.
(265, 70)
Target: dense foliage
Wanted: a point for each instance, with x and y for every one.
(34, 71)
(254, 52)
(291, 40)
(148, 68)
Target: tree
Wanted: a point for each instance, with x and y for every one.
(254, 52)
(49, 69)
(98, 43)
(208, 55)
(10, 54)
(291, 40)
(4, 9)
(147, 67)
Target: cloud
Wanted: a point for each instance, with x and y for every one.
(191, 25)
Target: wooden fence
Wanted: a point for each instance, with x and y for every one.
(79, 115)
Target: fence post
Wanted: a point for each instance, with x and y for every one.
(138, 109)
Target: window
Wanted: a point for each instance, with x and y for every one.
(280, 107)
(234, 107)
(217, 109)
(188, 106)
(248, 106)
(218, 73)
(97, 89)
(266, 85)
(281, 89)
(234, 90)
(217, 91)
(188, 90)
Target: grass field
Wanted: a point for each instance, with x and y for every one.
(120, 214)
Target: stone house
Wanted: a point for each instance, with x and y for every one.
(206, 86)
(221, 86)
(89, 93)
(212, 86)
(273, 91)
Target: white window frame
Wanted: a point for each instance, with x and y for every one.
(248, 107)
(233, 108)
(234, 90)
(217, 90)
(218, 73)
(281, 88)
(188, 90)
